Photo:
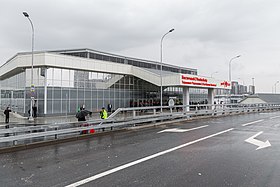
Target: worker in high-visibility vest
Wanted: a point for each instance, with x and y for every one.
(103, 113)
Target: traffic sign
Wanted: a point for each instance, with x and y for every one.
(171, 102)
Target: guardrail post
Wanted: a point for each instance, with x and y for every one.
(15, 141)
(6, 127)
(44, 130)
(155, 111)
(55, 136)
(134, 113)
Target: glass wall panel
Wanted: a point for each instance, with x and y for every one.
(57, 106)
(69, 89)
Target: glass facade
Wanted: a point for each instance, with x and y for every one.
(196, 95)
(66, 90)
(13, 92)
(62, 91)
(69, 89)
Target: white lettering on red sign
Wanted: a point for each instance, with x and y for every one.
(198, 81)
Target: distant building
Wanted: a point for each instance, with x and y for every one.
(262, 98)
(242, 89)
(234, 87)
(237, 93)
(251, 89)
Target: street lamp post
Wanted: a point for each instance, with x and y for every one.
(161, 67)
(32, 85)
(230, 71)
(230, 66)
(275, 85)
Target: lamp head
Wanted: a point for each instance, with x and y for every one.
(171, 30)
(25, 14)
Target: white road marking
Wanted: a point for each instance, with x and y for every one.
(250, 123)
(258, 143)
(275, 117)
(182, 130)
(276, 125)
(92, 178)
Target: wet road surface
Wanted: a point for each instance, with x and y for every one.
(206, 152)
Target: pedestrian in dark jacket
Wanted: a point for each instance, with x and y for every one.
(7, 114)
(34, 108)
(80, 115)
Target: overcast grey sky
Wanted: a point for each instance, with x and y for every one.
(208, 33)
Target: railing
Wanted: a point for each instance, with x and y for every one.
(122, 118)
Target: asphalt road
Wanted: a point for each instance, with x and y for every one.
(212, 152)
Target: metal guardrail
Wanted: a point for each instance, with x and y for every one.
(124, 117)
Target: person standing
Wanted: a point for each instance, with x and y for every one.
(34, 111)
(109, 108)
(7, 115)
(103, 113)
(81, 115)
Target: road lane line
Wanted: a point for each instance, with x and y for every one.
(250, 123)
(275, 117)
(92, 178)
(182, 130)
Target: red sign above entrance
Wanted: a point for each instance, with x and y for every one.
(225, 84)
(198, 81)
(203, 82)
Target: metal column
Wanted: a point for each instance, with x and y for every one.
(211, 97)
(45, 91)
(186, 98)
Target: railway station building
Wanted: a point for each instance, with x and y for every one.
(67, 79)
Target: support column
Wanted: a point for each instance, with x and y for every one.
(45, 91)
(186, 98)
(211, 97)
(0, 96)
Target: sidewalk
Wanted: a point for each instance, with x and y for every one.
(18, 120)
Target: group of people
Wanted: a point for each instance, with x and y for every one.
(34, 112)
(8, 110)
(82, 113)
